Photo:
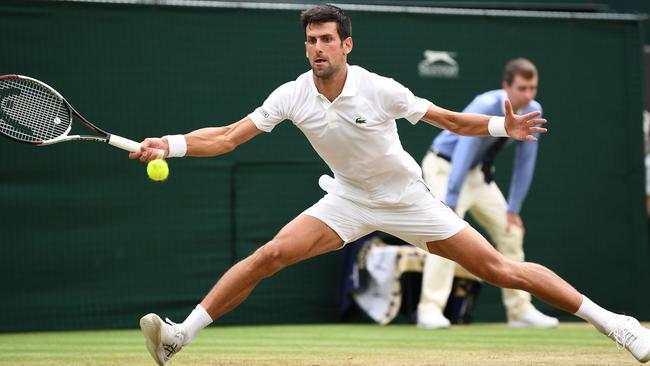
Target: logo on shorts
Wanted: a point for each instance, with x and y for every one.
(360, 120)
(438, 64)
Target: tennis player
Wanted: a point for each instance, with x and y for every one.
(348, 115)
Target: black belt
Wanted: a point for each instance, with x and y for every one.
(488, 172)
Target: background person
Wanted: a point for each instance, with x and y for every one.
(460, 170)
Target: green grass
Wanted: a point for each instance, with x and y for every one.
(324, 345)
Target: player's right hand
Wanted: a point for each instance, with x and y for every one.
(151, 149)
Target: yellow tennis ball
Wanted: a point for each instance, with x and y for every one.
(157, 170)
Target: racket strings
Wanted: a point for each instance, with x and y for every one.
(30, 112)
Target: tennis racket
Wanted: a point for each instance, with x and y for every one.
(32, 112)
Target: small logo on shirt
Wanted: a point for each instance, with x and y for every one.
(264, 113)
(359, 120)
(438, 64)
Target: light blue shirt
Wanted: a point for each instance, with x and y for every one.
(466, 152)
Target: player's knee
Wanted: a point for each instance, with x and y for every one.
(502, 273)
(268, 259)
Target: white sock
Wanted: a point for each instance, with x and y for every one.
(197, 320)
(594, 314)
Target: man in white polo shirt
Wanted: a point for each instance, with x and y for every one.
(348, 115)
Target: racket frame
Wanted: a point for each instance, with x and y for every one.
(111, 139)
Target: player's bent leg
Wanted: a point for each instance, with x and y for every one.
(304, 237)
(473, 252)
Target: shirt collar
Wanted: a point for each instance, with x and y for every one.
(349, 88)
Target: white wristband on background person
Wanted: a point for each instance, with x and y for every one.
(177, 146)
(497, 127)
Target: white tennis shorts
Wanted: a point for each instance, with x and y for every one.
(424, 220)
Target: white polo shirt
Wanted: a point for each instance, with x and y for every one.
(356, 134)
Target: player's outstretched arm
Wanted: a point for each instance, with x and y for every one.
(214, 141)
(210, 141)
(472, 124)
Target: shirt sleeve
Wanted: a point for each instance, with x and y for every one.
(399, 102)
(522, 172)
(275, 108)
(464, 154)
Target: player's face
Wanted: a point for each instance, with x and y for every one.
(325, 51)
(522, 91)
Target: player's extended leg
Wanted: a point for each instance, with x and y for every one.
(472, 251)
(490, 212)
(302, 238)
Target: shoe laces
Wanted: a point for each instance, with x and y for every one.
(178, 330)
(623, 335)
(172, 348)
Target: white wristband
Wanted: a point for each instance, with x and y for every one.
(497, 127)
(177, 146)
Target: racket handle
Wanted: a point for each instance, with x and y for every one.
(128, 145)
(124, 144)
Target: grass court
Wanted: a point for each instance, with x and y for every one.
(326, 345)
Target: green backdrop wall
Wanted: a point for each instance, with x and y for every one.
(88, 242)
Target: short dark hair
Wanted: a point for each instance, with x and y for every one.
(328, 13)
(519, 66)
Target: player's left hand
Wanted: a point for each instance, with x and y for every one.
(523, 127)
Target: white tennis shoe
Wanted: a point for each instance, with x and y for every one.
(629, 334)
(534, 318)
(163, 340)
(432, 320)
